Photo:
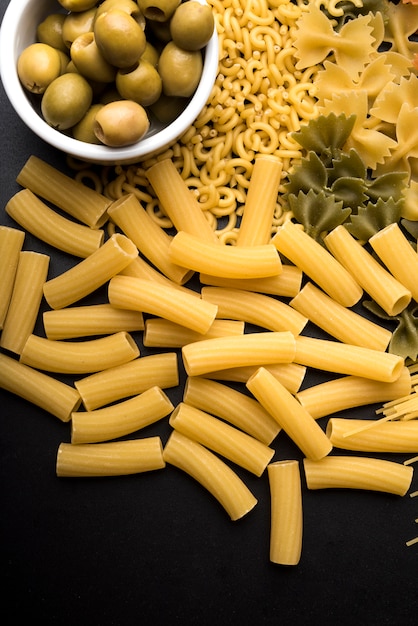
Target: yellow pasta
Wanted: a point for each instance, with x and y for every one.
(95, 319)
(317, 263)
(396, 252)
(396, 436)
(352, 472)
(31, 274)
(152, 241)
(390, 294)
(161, 333)
(343, 358)
(78, 200)
(286, 518)
(291, 375)
(128, 379)
(172, 304)
(287, 283)
(178, 202)
(299, 425)
(255, 227)
(139, 268)
(120, 419)
(210, 472)
(227, 261)
(51, 227)
(79, 357)
(11, 242)
(115, 458)
(255, 308)
(39, 388)
(210, 355)
(338, 321)
(222, 438)
(231, 405)
(90, 273)
(351, 391)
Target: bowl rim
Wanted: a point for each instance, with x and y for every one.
(142, 149)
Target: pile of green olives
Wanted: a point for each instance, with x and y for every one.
(102, 70)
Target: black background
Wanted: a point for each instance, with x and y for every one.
(151, 547)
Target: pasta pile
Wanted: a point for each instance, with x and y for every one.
(206, 258)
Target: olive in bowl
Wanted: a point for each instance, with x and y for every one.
(19, 30)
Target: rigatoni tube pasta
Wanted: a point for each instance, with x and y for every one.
(222, 438)
(202, 357)
(11, 242)
(90, 273)
(210, 472)
(317, 263)
(373, 435)
(286, 284)
(170, 303)
(162, 333)
(286, 523)
(353, 472)
(115, 458)
(304, 431)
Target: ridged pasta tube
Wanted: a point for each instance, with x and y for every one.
(11, 242)
(398, 436)
(211, 472)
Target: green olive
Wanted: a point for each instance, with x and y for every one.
(77, 24)
(119, 37)
(64, 59)
(167, 108)
(192, 25)
(160, 31)
(66, 100)
(83, 131)
(129, 6)
(89, 60)
(38, 65)
(121, 123)
(110, 95)
(78, 5)
(150, 54)
(180, 70)
(141, 84)
(158, 10)
(50, 31)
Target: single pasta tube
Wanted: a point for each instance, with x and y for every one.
(291, 375)
(128, 379)
(286, 522)
(222, 438)
(31, 274)
(298, 424)
(120, 419)
(79, 357)
(338, 321)
(396, 252)
(76, 199)
(39, 388)
(211, 473)
(255, 308)
(385, 290)
(343, 358)
(231, 405)
(150, 239)
(114, 458)
(209, 355)
(348, 392)
(352, 472)
(139, 268)
(11, 242)
(228, 261)
(286, 284)
(177, 201)
(90, 273)
(172, 304)
(317, 263)
(85, 321)
(255, 227)
(51, 227)
(162, 333)
(396, 436)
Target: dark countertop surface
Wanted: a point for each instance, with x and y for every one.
(137, 549)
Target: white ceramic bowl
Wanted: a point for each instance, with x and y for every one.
(18, 31)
